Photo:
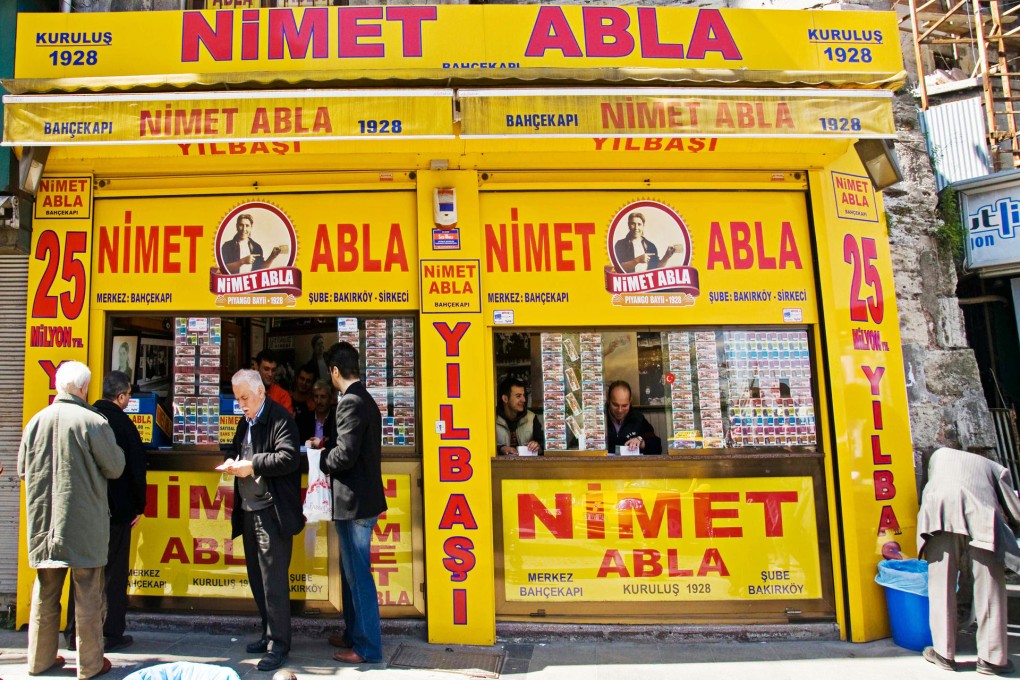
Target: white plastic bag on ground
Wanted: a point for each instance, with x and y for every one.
(319, 497)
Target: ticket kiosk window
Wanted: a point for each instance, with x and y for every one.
(700, 389)
(181, 369)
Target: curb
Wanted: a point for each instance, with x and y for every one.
(508, 632)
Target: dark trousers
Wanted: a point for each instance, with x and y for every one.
(116, 575)
(267, 558)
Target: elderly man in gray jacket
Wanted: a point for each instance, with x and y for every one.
(969, 512)
(67, 454)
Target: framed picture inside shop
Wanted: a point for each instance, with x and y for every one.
(122, 354)
(155, 359)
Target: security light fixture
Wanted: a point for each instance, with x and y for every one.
(33, 162)
(880, 161)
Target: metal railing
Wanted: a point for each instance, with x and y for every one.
(1007, 447)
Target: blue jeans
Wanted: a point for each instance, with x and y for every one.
(357, 588)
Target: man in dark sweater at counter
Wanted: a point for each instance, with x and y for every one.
(126, 496)
(627, 427)
(319, 425)
(267, 508)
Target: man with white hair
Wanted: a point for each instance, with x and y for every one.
(68, 452)
(267, 508)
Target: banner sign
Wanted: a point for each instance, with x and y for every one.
(703, 257)
(52, 120)
(182, 546)
(991, 218)
(301, 251)
(623, 540)
(870, 414)
(456, 475)
(450, 285)
(854, 196)
(674, 112)
(57, 318)
(64, 198)
(86, 50)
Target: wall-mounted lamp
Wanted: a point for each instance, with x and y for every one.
(33, 162)
(880, 161)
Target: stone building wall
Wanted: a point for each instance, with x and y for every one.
(947, 404)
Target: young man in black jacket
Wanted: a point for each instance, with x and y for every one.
(126, 496)
(267, 508)
(355, 467)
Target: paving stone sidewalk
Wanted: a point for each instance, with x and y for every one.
(661, 654)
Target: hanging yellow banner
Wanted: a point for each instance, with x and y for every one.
(49, 120)
(576, 540)
(475, 43)
(868, 379)
(651, 112)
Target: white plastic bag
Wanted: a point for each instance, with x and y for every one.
(319, 497)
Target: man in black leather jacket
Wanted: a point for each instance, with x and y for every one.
(267, 508)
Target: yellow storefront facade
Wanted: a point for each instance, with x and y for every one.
(455, 190)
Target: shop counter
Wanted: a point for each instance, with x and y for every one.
(184, 558)
(690, 537)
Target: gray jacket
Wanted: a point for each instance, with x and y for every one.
(67, 454)
(970, 495)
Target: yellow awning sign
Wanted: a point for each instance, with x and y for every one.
(657, 112)
(93, 51)
(53, 120)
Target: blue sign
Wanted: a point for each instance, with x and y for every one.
(446, 239)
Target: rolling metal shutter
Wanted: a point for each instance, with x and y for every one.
(14, 285)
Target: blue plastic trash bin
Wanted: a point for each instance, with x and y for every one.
(906, 596)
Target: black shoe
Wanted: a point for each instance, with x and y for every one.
(112, 644)
(931, 656)
(257, 647)
(70, 642)
(271, 661)
(986, 668)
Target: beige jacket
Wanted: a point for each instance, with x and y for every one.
(67, 454)
(970, 495)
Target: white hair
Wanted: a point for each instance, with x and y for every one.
(252, 379)
(72, 375)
